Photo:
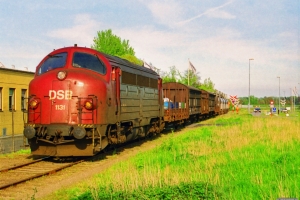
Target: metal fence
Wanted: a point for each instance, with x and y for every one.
(9, 144)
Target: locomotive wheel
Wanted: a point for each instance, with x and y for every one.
(112, 135)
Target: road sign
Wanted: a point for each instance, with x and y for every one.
(271, 104)
(273, 109)
(282, 102)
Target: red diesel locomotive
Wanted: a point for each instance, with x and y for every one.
(81, 100)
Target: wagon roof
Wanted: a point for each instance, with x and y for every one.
(182, 85)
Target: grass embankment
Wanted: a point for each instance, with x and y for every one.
(244, 158)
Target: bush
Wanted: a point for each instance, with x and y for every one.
(181, 191)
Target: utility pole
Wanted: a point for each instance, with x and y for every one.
(249, 87)
(279, 96)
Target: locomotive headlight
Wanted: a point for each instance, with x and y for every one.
(61, 75)
(33, 104)
(88, 105)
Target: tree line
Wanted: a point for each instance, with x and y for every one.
(111, 44)
(258, 101)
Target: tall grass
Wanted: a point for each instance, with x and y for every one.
(243, 157)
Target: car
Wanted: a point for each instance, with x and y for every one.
(257, 109)
(283, 110)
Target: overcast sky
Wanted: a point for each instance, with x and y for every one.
(218, 36)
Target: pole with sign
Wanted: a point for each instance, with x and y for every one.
(271, 106)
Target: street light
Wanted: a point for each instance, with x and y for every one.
(279, 95)
(249, 87)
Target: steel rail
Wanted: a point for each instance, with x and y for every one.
(39, 174)
(22, 165)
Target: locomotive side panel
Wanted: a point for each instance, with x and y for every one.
(138, 102)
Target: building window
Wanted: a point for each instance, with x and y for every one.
(11, 99)
(0, 98)
(23, 96)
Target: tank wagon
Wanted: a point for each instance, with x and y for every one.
(81, 101)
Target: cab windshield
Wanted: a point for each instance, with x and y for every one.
(53, 62)
(88, 61)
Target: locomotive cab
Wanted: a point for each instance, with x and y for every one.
(67, 98)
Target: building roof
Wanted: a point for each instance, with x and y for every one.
(16, 70)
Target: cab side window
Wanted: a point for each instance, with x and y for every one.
(88, 61)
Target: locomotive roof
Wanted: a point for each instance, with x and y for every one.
(122, 63)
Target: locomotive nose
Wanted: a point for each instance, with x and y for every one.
(29, 132)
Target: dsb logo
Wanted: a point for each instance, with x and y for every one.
(60, 94)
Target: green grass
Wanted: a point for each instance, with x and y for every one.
(14, 154)
(244, 157)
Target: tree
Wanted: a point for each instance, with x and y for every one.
(171, 76)
(194, 78)
(132, 59)
(175, 76)
(208, 85)
(111, 44)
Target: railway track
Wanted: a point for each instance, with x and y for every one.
(42, 187)
(15, 175)
(27, 171)
(46, 166)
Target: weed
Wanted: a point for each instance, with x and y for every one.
(192, 190)
(114, 151)
(14, 154)
(34, 193)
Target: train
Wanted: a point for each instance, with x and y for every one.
(82, 101)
